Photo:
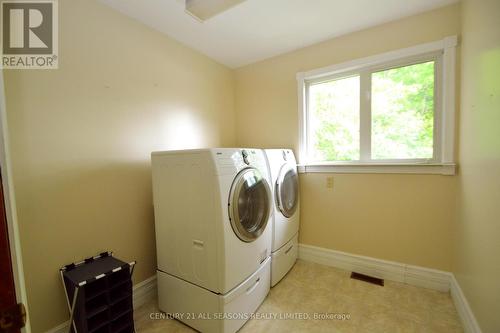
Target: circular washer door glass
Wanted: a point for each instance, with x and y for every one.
(287, 190)
(249, 204)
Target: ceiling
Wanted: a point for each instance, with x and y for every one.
(258, 29)
(205, 9)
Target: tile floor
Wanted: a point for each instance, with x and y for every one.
(312, 288)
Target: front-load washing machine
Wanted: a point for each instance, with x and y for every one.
(213, 235)
(285, 191)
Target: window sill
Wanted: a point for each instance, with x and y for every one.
(436, 169)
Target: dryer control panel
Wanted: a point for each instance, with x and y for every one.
(233, 160)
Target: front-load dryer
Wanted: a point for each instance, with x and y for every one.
(213, 233)
(285, 190)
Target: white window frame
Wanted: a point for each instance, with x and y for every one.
(443, 52)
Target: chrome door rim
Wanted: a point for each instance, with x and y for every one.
(233, 209)
(278, 195)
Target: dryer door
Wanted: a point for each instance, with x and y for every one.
(249, 204)
(287, 190)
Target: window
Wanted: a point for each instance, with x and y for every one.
(402, 112)
(334, 120)
(390, 112)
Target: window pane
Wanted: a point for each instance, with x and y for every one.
(334, 120)
(403, 112)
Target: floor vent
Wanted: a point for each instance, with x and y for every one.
(367, 278)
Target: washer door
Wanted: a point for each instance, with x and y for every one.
(287, 190)
(249, 204)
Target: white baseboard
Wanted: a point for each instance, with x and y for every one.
(465, 313)
(142, 292)
(394, 271)
(427, 278)
(63, 328)
(383, 269)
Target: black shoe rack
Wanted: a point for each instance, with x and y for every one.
(99, 295)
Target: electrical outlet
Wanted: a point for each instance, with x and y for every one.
(329, 182)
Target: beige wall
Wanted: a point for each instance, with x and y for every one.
(477, 251)
(81, 138)
(406, 218)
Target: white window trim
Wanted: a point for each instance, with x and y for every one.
(443, 161)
